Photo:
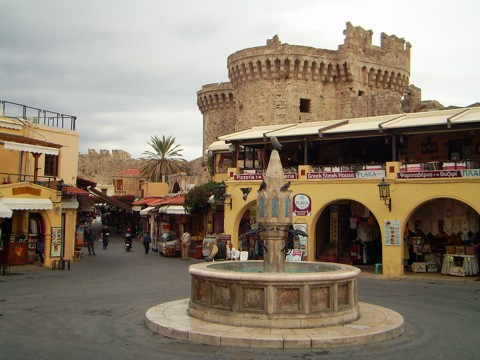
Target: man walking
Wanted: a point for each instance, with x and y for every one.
(105, 236)
(146, 241)
(185, 245)
(90, 237)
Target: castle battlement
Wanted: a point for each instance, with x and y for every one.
(215, 97)
(281, 83)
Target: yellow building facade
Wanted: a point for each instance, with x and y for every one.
(38, 162)
(433, 202)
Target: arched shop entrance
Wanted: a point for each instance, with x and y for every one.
(347, 232)
(247, 222)
(440, 227)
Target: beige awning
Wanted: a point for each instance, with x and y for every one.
(27, 203)
(172, 209)
(30, 148)
(147, 210)
(70, 203)
(5, 212)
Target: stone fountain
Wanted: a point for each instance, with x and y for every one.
(273, 293)
(230, 299)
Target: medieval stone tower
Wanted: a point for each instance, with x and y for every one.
(282, 84)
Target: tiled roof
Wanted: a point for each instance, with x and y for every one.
(146, 201)
(169, 200)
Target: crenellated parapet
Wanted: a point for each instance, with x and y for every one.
(215, 97)
(280, 83)
(357, 60)
(277, 61)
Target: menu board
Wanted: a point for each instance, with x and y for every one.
(56, 246)
(392, 232)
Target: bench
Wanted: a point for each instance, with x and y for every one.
(61, 264)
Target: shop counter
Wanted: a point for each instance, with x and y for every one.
(459, 265)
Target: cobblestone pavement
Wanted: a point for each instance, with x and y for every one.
(97, 310)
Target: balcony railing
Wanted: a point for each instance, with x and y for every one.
(440, 165)
(37, 116)
(371, 168)
(9, 178)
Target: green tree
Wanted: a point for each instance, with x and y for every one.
(165, 159)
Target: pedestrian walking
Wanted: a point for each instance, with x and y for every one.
(146, 241)
(90, 238)
(105, 236)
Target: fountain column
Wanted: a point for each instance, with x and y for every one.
(274, 214)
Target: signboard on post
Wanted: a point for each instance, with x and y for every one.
(56, 244)
(392, 233)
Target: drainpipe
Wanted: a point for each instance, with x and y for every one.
(394, 148)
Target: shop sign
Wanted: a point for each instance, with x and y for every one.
(467, 173)
(302, 205)
(370, 174)
(392, 232)
(226, 237)
(429, 174)
(332, 175)
(248, 177)
(26, 190)
(56, 245)
(333, 224)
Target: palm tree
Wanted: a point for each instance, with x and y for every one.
(166, 159)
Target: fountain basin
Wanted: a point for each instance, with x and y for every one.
(305, 295)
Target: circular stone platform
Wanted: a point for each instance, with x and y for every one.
(375, 324)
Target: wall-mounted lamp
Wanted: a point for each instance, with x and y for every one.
(60, 187)
(223, 194)
(384, 193)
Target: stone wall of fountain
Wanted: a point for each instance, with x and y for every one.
(306, 295)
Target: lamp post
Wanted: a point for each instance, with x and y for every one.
(60, 186)
(224, 195)
(384, 193)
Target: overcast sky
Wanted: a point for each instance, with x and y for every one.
(130, 69)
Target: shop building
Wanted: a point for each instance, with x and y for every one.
(427, 166)
(38, 196)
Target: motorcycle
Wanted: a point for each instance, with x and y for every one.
(128, 242)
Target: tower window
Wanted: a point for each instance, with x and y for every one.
(305, 105)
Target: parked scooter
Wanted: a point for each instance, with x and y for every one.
(128, 240)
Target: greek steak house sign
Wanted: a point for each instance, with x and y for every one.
(302, 205)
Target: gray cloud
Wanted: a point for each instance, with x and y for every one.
(131, 69)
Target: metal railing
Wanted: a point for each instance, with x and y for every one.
(37, 116)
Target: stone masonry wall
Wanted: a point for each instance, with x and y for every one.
(99, 167)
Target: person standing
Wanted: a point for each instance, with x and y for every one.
(90, 238)
(231, 251)
(222, 250)
(185, 245)
(40, 248)
(146, 241)
(105, 236)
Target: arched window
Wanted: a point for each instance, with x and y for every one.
(261, 205)
(275, 207)
(287, 207)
